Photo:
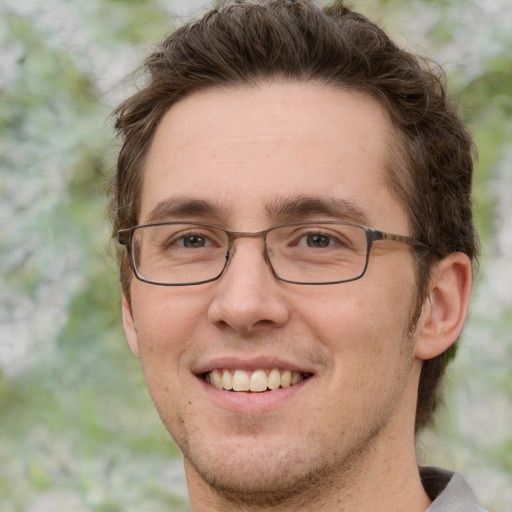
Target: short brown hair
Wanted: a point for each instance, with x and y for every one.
(247, 42)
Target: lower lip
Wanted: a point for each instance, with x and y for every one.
(241, 401)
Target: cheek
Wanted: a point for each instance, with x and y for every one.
(360, 320)
(167, 320)
(167, 323)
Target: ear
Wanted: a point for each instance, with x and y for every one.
(130, 330)
(444, 309)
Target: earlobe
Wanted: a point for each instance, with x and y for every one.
(445, 307)
(129, 325)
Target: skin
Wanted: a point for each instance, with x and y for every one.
(332, 442)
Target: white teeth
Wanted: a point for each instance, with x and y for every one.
(274, 379)
(256, 381)
(216, 378)
(240, 381)
(296, 378)
(227, 380)
(286, 379)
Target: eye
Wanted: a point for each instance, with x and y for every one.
(193, 241)
(182, 239)
(194, 238)
(318, 240)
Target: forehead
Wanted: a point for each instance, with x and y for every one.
(245, 150)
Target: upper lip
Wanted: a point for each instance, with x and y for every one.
(251, 364)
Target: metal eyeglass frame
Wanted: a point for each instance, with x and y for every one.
(124, 238)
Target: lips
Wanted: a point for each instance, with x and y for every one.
(260, 380)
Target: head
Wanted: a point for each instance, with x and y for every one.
(247, 44)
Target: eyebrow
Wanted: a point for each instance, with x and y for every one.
(301, 207)
(280, 210)
(185, 207)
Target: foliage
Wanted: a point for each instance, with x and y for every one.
(77, 425)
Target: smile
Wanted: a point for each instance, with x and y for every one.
(255, 381)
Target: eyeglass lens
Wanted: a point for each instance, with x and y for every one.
(303, 253)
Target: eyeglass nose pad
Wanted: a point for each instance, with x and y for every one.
(269, 254)
(229, 254)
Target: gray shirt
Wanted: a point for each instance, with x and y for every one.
(448, 491)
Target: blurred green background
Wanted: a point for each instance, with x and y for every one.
(77, 429)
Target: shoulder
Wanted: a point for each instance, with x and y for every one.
(449, 491)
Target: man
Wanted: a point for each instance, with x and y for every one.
(293, 192)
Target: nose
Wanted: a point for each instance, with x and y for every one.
(248, 297)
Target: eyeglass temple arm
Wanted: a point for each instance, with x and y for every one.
(379, 235)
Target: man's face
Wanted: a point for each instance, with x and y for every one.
(257, 157)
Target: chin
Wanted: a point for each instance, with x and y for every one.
(264, 472)
(259, 479)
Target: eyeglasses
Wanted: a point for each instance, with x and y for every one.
(190, 253)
